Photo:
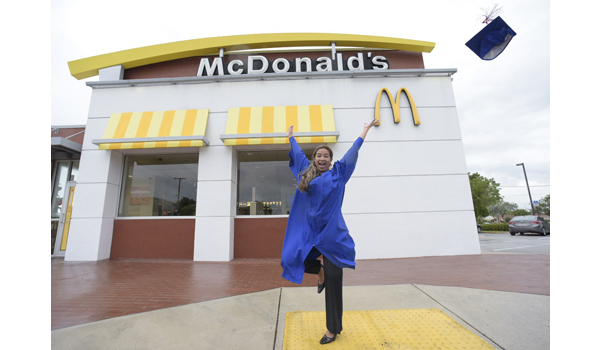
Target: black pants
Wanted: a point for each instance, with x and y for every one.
(333, 289)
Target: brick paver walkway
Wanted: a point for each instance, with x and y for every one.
(85, 292)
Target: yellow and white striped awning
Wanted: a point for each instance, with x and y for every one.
(157, 129)
(269, 125)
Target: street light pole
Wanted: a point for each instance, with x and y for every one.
(178, 191)
(528, 191)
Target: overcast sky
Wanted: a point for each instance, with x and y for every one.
(503, 105)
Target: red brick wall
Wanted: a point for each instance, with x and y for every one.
(153, 239)
(66, 132)
(258, 237)
(188, 67)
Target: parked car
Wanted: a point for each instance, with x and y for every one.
(529, 223)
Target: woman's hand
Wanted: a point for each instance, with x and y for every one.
(290, 132)
(367, 127)
(372, 123)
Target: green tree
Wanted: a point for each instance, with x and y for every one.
(502, 208)
(187, 207)
(520, 212)
(485, 193)
(544, 206)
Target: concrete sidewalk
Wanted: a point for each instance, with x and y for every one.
(505, 320)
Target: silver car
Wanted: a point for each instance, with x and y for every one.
(529, 223)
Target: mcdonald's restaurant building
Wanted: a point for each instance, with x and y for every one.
(185, 154)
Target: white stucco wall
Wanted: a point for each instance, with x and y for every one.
(409, 195)
(95, 205)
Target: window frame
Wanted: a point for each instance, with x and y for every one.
(123, 185)
(308, 149)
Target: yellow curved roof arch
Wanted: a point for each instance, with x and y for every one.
(88, 67)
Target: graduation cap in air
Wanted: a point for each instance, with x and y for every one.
(491, 40)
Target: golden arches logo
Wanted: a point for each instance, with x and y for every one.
(396, 105)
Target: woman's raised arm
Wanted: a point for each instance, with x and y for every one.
(298, 160)
(348, 162)
(367, 127)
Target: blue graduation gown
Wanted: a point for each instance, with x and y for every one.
(316, 217)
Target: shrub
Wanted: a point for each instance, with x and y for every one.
(494, 227)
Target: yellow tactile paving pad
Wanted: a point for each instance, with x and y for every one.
(421, 329)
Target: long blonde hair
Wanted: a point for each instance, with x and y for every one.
(311, 171)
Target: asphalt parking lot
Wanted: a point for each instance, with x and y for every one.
(504, 243)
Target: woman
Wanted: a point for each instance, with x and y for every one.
(316, 226)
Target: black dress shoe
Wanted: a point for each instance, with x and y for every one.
(320, 286)
(327, 340)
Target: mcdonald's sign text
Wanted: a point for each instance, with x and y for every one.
(258, 64)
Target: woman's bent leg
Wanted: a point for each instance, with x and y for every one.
(333, 296)
(312, 265)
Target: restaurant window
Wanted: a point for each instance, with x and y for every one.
(266, 185)
(159, 185)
